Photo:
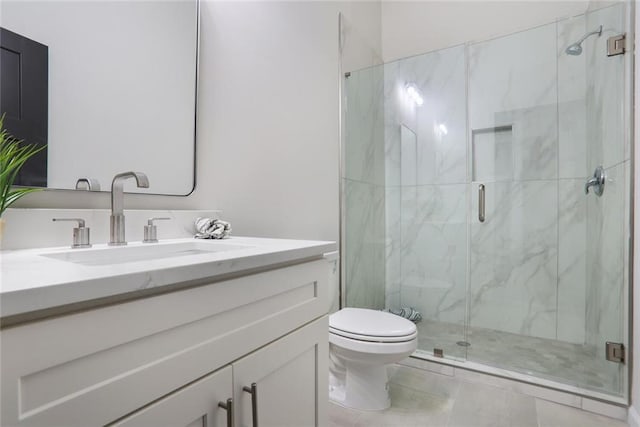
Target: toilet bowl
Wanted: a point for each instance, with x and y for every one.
(362, 343)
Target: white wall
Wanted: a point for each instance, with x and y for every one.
(269, 116)
(268, 138)
(411, 28)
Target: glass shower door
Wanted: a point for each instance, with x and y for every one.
(608, 215)
(513, 140)
(547, 262)
(426, 178)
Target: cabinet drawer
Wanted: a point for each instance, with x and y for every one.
(133, 353)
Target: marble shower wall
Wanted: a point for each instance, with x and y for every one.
(364, 192)
(426, 175)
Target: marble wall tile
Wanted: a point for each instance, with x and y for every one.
(572, 86)
(398, 110)
(572, 140)
(433, 249)
(511, 73)
(492, 151)
(364, 245)
(364, 126)
(605, 91)
(513, 275)
(408, 156)
(512, 83)
(572, 260)
(440, 123)
(534, 139)
(392, 246)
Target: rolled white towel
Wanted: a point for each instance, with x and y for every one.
(210, 228)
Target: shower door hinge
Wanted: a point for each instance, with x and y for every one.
(615, 352)
(616, 45)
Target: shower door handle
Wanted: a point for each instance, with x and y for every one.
(481, 203)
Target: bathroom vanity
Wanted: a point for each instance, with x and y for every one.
(230, 333)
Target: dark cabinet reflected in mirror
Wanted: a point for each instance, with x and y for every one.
(24, 69)
(107, 85)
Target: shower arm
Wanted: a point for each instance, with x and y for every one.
(598, 32)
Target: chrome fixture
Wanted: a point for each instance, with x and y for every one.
(616, 45)
(81, 238)
(90, 184)
(596, 181)
(615, 352)
(481, 203)
(576, 48)
(151, 231)
(116, 234)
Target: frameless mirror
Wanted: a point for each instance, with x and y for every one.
(119, 89)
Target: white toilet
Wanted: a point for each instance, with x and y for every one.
(361, 343)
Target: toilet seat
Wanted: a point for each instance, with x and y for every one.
(371, 338)
(372, 326)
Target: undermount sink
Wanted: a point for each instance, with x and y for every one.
(147, 252)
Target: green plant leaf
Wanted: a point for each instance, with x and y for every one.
(13, 155)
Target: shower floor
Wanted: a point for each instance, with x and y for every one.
(578, 365)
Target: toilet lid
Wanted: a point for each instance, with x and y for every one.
(367, 324)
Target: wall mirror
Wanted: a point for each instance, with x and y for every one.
(120, 86)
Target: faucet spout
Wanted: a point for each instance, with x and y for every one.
(117, 236)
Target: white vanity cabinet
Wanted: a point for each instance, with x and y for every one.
(282, 377)
(169, 359)
(192, 406)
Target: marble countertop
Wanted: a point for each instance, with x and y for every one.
(36, 280)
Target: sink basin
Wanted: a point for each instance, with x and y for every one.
(147, 252)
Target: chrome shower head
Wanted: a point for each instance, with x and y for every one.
(576, 48)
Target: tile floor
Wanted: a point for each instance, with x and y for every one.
(423, 398)
(580, 365)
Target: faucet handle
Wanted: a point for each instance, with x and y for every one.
(151, 231)
(90, 184)
(81, 237)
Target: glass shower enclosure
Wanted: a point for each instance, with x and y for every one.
(464, 196)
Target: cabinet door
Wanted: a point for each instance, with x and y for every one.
(291, 380)
(195, 405)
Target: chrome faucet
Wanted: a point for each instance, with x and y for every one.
(116, 234)
(597, 181)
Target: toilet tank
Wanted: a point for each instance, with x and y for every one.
(333, 269)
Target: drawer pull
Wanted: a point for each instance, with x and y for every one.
(228, 406)
(253, 390)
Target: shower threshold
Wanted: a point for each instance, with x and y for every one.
(555, 391)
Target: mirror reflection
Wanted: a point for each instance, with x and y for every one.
(109, 86)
